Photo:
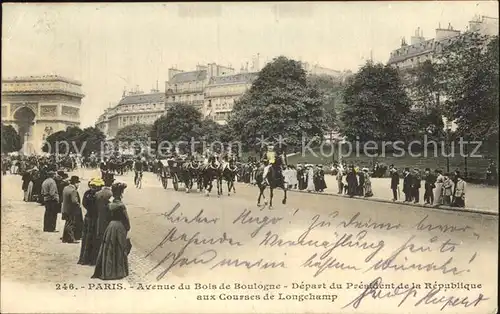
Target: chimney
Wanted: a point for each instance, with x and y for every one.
(172, 72)
(417, 38)
(442, 33)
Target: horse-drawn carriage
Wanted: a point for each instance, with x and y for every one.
(170, 169)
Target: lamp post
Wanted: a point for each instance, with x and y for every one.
(448, 145)
(333, 147)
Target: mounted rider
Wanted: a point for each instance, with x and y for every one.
(272, 157)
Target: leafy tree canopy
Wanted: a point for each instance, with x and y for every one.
(332, 90)
(280, 102)
(424, 85)
(11, 141)
(376, 105)
(135, 133)
(75, 140)
(470, 74)
(181, 124)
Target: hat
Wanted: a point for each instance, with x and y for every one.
(97, 182)
(51, 173)
(365, 169)
(118, 187)
(74, 179)
(320, 166)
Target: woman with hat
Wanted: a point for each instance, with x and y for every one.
(88, 254)
(112, 260)
(368, 183)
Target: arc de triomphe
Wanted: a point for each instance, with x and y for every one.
(37, 106)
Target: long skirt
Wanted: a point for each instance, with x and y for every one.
(310, 184)
(90, 244)
(438, 194)
(29, 192)
(78, 225)
(112, 260)
(368, 189)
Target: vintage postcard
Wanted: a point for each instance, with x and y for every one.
(239, 157)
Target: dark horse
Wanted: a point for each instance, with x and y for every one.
(274, 178)
(210, 173)
(191, 173)
(228, 173)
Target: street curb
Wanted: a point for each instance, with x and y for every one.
(380, 200)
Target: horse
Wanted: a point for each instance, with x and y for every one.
(275, 179)
(227, 173)
(190, 173)
(210, 173)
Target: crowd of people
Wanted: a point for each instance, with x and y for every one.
(439, 188)
(101, 232)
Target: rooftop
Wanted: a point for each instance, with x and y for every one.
(424, 47)
(233, 79)
(142, 99)
(47, 78)
(189, 76)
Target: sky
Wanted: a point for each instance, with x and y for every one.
(110, 47)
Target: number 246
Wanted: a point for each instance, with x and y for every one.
(65, 286)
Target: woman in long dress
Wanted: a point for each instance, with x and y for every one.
(438, 191)
(368, 184)
(310, 178)
(112, 260)
(88, 253)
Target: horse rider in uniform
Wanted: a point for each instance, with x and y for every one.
(270, 157)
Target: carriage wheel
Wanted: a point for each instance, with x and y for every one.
(164, 182)
(175, 182)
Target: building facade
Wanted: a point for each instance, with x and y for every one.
(37, 106)
(421, 49)
(188, 87)
(213, 89)
(222, 92)
(133, 108)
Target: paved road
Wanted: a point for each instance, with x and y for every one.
(216, 249)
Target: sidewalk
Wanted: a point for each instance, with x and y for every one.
(478, 198)
(32, 257)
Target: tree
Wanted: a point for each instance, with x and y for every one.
(280, 102)
(11, 141)
(54, 143)
(332, 91)
(135, 133)
(376, 105)
(423, 84)
(93, 139)
(182, 123)
(470, 68)
(75, 140)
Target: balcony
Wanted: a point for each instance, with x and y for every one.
(181, 91)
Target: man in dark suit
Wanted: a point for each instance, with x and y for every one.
(407, 185)
(430, 181)
(416, 185)
(70, 209)
(394, 183)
